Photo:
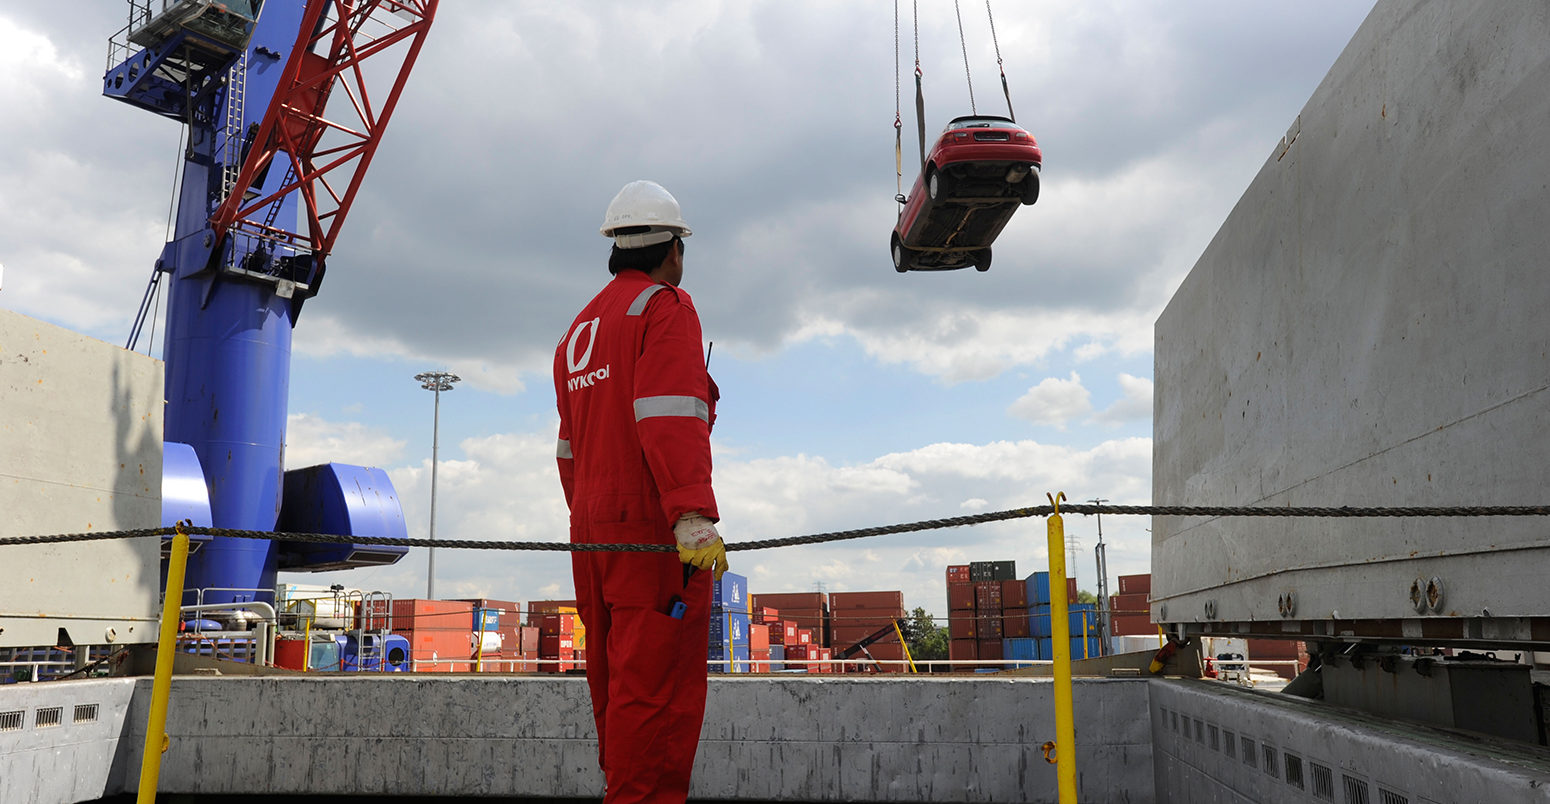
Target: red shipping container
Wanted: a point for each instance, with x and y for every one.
(1273, 649)
(563, 661)
(845, 636)
(960, 597)
(549, 645)
(893, 601)
(1129, 604)
(990, 627)
(824, 655)
(1014, 624)
(1132, 625)
(426, 615)
(1135, 584)
(804, 637)
(962, 625)
(553, 624)
(960, 650)
(958, 573)
(536, 609)
(759, 639)
(440, 651)
(1014, 595)
(990, 649)
(889, 656)
(766, 615)
(987, 595)
(778, 632)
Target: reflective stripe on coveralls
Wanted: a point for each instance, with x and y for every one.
(647, 407)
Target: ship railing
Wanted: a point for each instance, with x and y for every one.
(262, 635)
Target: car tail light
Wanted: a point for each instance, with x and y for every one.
(1021, 135)
(960, 135)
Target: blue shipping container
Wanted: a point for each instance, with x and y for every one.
(1017, 649)
(777, 657)
(1080, 611)
(1076, 648)
(728, 626)
(1046, 648)
(487, 619)
(1038, 588)
(733, 661)
(1039, 624)
(731, 593)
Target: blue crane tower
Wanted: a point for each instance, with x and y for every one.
(267, 181)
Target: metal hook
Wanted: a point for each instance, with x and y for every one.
(1049, 747)
(1055, 500)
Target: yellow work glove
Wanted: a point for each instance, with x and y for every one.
(699, 545)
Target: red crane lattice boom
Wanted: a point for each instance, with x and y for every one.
(295, 126)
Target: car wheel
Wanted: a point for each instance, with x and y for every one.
(901, 255)
(938, 186)
(982, 260)
(1029, 189)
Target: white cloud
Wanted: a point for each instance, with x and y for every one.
(1134, 404)
(1054, 402)
(311, 440)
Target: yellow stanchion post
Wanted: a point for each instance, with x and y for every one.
(1060, 629)
(156, 741)
(906, 645)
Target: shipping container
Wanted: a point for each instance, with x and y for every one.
(729, 626)
(1014, 595)
(990, 649)
(414, 614)
(1135, 584)
(552, 624)
(824, 656)
(1129, 604)
(892, 601)
(958, 573)
(845, 636)
(962, 625)
(1003, 570)
(1131, 625)
(777, 658)
(989, 626)
(778, 632)
(1039, 625)
(1037, 586)
(987, 596)
(981, 571)
(759, 638)
(1014, 624)
(806, 609)
(1077, 648)
(1019, 649)
(960, 596)
(731, 593)
(804, 636)
(764, 615)
(536, 609)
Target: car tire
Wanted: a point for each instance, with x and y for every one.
(1029, 189)
(938, 185)
(902, 255)
(982, 260)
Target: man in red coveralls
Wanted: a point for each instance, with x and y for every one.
(636, 408)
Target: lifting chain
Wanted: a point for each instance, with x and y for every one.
(964, 45)
(999, 65)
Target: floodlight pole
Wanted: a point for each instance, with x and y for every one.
(436, 381)
(1101, 553)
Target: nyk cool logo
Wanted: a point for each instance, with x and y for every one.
(573, 364)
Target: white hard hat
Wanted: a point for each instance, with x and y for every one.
(647, 213)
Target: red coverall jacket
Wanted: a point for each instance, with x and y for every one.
(636, 406)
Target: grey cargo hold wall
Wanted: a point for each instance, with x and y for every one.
(1371, 327)
(80, 450)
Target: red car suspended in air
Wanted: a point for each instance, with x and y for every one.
(980, 171)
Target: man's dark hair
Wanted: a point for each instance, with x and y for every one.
(644, 259)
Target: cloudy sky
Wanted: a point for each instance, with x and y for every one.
(851, 395)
